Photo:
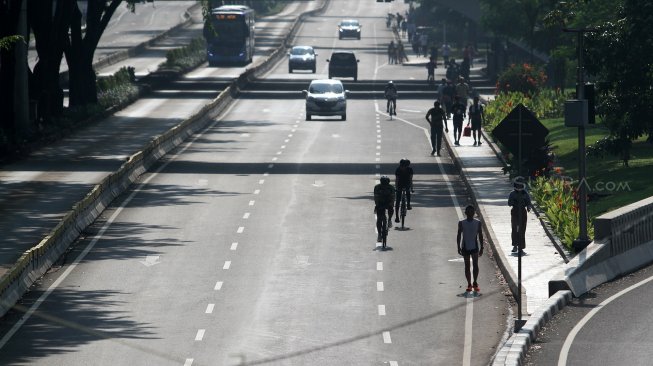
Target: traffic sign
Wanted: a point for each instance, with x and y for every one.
(533, 132)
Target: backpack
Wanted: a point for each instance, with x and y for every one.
(383, 194)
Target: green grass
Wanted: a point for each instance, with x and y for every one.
(602, 172)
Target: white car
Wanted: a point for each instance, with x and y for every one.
(326, 98)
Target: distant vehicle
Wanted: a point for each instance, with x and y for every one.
(343, 64)
(349, 28)
(326, 98)
(301, 58)
(229, 35)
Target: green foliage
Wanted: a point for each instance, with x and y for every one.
(117, 89)
(524, 78)
(7, 42)
(547, 103)
(558, 199)
(186, 57)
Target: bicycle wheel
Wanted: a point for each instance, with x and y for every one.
(384, 232)
(403, 208)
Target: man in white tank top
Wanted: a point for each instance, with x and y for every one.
(471, 245)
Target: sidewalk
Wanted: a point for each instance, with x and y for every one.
(482, 171)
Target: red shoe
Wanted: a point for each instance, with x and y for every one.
(476, 288)
(469, 288)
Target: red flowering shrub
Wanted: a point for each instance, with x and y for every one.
(524, 78)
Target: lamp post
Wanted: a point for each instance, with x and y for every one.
(583, 240)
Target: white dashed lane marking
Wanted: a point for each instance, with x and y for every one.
(189, 362)
(246, 215)
(240, 230)
(386, 337)
(382, 310)
(394, 363)
(218, 286)
(270, 166)
(274, 158)
(379, 266)
(379, 286)
(251, 203)
(200, 334)
(209, 308)
(227, 265)
(234, 246)
(261, 181)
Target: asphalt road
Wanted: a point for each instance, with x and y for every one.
(254, 243)
(610, 325)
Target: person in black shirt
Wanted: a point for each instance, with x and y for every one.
(458, 110)
(403, 180)
(437, 119)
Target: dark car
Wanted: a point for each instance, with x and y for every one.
(349, 28)
(343, 64)
(301, 58)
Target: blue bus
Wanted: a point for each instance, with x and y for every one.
(229, 35)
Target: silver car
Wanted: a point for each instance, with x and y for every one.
(301, 57)
(326, 98)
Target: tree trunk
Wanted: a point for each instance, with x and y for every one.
(80, 51)
(9, 12)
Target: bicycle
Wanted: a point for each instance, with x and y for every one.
(392, 109)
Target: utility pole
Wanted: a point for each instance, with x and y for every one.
(583, 240)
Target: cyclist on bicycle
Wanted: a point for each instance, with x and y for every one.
(390, 94)
(403, 180)
(384, 194)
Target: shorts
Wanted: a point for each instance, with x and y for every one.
(470, 252)
(476, 125)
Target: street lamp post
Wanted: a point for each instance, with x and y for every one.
(583, 239)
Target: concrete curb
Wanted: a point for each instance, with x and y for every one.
(515, 348)
(33, 263)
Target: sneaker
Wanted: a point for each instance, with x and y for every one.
(469, 288)
(379, 238)
(474, 143)
(410, 207)
(438, 154)
(432, 152)
(396, 219)
(476, 288)
(456, 143)
(479, 143)
(514, 249)
(521, 252)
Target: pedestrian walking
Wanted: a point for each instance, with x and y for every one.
(430, 67)
(520, 201)
(476, 117)
(441, 86)
(446, 51)
(404, 27)
(469, 244)
(462, 90)
(458, 110)
(415, 43)
(452, 72)
(423, 43)
(437, 119)
(449, 92)
(392, 54)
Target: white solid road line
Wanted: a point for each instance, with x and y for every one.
(227, 265)
(564, 352)
(218, 286)
(209, 309)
